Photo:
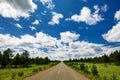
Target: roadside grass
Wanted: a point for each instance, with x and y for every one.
(105, 71)
(20, 73)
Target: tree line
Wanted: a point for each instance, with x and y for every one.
(7, 59)
(112, 58)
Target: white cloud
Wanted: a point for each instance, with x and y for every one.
(55, 18)
(104, 8)
(84, 0)
(87, 17)
(36, 22)
(44, 12)
(15, 8)
(18, 25)
(41, 40)
(48, 3)
(1, 28)
(32, 28)
(97, 9)
(117, 15)
(44, 45)
(113, 35)
(68, 36)
(82, 49)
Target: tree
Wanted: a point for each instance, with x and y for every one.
(7, 57)
(17, 60)
(37, 60)
(46, 60)
(25, 58)
(0, 58)
(105, 58)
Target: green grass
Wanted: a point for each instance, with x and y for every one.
(104, 71)
(7, 74)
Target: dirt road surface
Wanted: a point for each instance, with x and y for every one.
(58, 72)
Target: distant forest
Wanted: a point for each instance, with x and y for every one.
(8, 60)
(112, 58)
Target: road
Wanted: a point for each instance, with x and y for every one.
(58, 72)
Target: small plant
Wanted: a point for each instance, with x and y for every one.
(13, 76)
(20, 74)
(94, 70)
(40, 68)
(86, 69)
(35, 70)
(82, 67)
(104, 78)
(113, 77)
(105, 64)
(52, 64)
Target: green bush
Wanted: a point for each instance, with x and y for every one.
(40, 68)
(105, 64)
(35, 70)
(86, 69)
(94, 70)
(82, 67)
(113, 77)
(13, 76)
(104, 78)
(20, 74)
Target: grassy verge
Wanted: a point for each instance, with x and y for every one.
(20, 73)
(105, 71)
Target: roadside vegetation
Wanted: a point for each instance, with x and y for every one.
(98, 68)
(19, 66)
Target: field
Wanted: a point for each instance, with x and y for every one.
(20, 73)
(105, 71)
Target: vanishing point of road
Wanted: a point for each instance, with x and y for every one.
(58, 72)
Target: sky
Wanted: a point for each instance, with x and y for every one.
(60, 29)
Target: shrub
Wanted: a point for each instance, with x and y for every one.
(86, 69)
(113, 77)
(35, 70)
(105, 64)
(40, 68)
(20, 74)
(117, 63)
(52, 65)
(82, 66)
(94, 70)
(13, 76)
(104, 78)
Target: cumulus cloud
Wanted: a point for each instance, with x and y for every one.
(113, 35)
(40, 40)
(87, 16)
(48, 3)
(36, 22)
(68, 36)
(117, 15)
(17, 8)
(18, 26)
(42, 45)
(55, 18)
(84, 48)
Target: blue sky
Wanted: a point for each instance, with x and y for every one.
(60, 29)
